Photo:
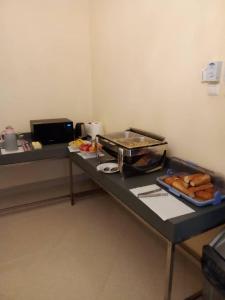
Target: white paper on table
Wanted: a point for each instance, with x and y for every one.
(19, 150)
(166, 207)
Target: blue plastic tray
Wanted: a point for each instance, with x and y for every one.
(218, 197)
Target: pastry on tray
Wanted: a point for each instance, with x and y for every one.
(197, 186)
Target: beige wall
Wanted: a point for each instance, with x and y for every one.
(45, 72)
(147, 61)
(147, 58)
(45, 61)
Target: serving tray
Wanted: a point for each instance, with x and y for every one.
(218, 196)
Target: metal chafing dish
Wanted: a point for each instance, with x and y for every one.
(131, 145)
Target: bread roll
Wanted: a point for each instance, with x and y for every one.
(211, 190)
(170, 180)
(180, 186)
(186, 185)
(143, 161)
(204, 195)
(200, 180)
(188, 178)
(201, 187)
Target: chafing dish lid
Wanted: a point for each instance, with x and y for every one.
(130, 140)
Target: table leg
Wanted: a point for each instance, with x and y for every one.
(169, 270)
(71, 181)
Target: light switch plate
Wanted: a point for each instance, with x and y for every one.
(213, 89)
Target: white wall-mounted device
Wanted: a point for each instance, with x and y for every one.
(212, 72)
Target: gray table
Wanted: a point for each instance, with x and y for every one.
(55, 151)
(174, 231)
(47, 152)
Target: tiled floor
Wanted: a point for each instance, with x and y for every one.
(95, 250)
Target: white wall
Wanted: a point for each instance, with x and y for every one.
(147, 61)
(45, 61)
(45, 72)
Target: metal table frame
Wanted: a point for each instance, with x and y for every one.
(56, 151)
(174, 231)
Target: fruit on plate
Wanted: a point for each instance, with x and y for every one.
(77, 143)
(91, 147)
(85, 147)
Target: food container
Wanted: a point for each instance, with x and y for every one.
(180, 167)
(137, 151)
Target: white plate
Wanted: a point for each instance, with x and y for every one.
(73, 149)
(87, 152)
(107, 168)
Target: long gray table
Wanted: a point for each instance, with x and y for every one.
(55, 151)
(173, 230)
(47, 152)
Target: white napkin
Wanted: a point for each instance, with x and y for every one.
(166, 207)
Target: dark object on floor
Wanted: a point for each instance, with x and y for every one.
(213, 267)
